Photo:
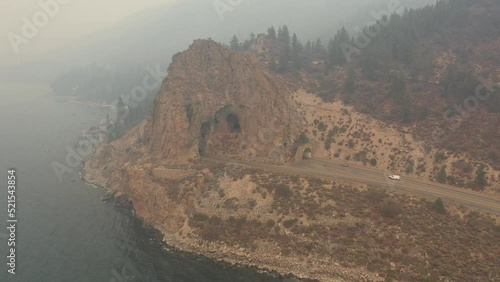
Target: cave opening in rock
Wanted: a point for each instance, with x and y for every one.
(204, 132)
(307, 154)
(233, 123)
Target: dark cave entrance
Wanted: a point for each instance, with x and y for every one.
(307, 154)
(205, 130)
(233, 123)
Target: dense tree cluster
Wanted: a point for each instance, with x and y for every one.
(399, 49)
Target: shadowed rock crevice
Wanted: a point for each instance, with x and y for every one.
(205, 130)
(233, 123)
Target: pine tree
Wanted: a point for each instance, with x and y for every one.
(335, 55)
(308, 47)
(280, 34)
(350, 82)
(249, 42)
(439, 205)
(297, 50)
(441, 177)
(122, 113)
(481, 177)
(331, 61)
(285, 36)
(271, 33)
(235, 43)
(283, 64)
(285, 45)
(398, 86)
(318, 46)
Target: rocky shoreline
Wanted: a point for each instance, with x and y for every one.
(190, 250)
(273, 263)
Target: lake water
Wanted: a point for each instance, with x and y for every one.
(64, 231)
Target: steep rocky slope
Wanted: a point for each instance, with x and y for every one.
(215, 100)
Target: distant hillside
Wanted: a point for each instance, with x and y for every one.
(434, 68)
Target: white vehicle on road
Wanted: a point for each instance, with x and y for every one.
(394, 177)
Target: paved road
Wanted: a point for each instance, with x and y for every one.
(331, 170)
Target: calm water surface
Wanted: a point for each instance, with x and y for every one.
(64, 231)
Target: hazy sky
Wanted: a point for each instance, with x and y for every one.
(73, 20)
(67, 21)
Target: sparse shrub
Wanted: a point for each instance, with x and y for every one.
(252, 203)
(463, 166)
(173, 192)
(282, 191)
(322, 126)
(351, 143)
(270, 223)
(200, 217)
(242, 220)
(215, 220)
(390, 208)
(452, 148)
(373, 161)
(289, 223)
(328, 144)
(439, 157)
(427, 149)
(211, 233)
(493, 155)
(333, 131)
(441, 177)
(375, 195)
(481, 177)
(231, 203)
(451, 180)
(409, 169)
(222, 193)
(303, 139)
(421, 168)
(439, 205)
(361, 156)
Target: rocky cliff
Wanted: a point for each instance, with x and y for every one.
(215, 100)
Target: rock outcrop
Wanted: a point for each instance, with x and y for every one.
(217, 101)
